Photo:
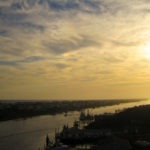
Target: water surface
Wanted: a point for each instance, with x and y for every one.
(29, 134)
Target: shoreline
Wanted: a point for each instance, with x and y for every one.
(24, 110)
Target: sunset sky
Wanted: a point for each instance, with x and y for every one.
(74, 49)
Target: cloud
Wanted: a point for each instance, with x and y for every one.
(61, 65)
(63, 26)
(32, 59)
(48, 42)
(8, 15)
(8, 63)
(25, 60)
(3, 32)
(127, 43)
(30, 26)
(73, 44)
(56, 5)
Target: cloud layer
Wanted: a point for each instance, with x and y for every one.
(89, 45)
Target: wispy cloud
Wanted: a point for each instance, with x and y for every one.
(61, 65)
(25, 60)
(72, 42)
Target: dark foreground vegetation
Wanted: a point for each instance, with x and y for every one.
(23, 109)
(131, 126)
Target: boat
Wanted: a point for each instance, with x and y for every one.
(86, 116)
(75, 135)
(54, 146)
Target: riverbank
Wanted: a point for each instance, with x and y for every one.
(132, 126)
(128, 129)
(10, 110)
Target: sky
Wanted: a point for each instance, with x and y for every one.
(74, 49)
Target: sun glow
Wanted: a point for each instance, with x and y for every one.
(146, 50)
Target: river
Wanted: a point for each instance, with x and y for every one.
(29, 134)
